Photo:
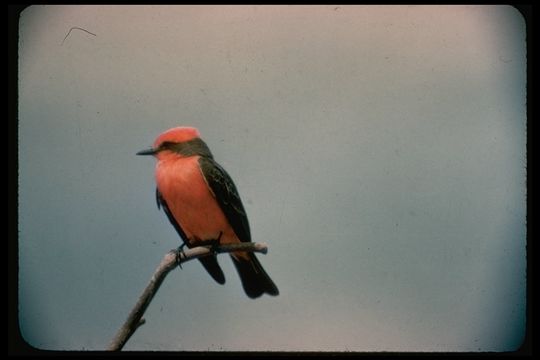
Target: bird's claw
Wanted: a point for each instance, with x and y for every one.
(212, 244)
(180, 254)
(215, 243)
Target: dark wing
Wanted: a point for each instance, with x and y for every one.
(227, 196)
(209, 262)
(255, 280)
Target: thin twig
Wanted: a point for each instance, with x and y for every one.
(76, 28)
(170, 261)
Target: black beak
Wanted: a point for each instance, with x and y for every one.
(150, 151)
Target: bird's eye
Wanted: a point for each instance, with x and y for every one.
(166, 145)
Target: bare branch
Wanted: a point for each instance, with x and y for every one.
(170, 261)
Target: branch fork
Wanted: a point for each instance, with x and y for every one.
(170, 261)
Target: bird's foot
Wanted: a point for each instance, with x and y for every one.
(213, 244)
(180, 254)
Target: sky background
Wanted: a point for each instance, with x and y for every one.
(379, 151)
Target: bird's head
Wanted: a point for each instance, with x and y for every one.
(180, 141)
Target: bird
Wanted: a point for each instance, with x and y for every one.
(203, 204)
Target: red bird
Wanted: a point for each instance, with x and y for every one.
(202, 203)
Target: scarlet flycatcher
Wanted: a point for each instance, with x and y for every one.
(202, 203)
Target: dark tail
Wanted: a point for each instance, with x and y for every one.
(254, 279)
(211, 265)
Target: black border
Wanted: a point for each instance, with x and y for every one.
(17, 345)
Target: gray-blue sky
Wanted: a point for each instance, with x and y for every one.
(379, 151)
